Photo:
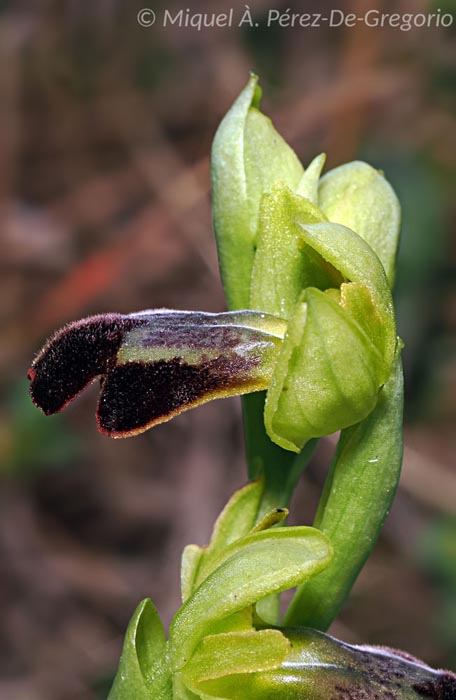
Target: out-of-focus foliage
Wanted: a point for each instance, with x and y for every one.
(28, 442)
(437, 553)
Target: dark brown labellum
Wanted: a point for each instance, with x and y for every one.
(153, 364)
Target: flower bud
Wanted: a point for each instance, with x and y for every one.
(319, 667)
(248, 156)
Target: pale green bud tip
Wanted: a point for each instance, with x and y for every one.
(248, 157)
(359, 197)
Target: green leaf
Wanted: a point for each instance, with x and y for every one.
(357, 496)
(143, 673)
(236, 652)
(248, 155)
(264, 563)
(283, 265)
(327, 376)
(358, 196)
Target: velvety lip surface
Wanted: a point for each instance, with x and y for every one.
(153, 365)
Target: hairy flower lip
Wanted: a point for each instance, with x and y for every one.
(67, 363)
(103, 424)
(154, 364)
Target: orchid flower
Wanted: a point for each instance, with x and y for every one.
(307, 263)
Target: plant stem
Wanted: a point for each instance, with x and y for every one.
(280, 468)
(357, 496)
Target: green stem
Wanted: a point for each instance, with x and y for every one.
(356, 499)
(280, 468)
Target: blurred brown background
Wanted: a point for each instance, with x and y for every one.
(105, 133)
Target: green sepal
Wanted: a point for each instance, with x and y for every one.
(327, 376)
(358, 493)
(359, 197)
(248, 155)
(143, 670)
(236, 520)
(284, 265)
(260, 564)
(219, 556)
(267, 158)
(220, 655)
(238, 516)
(339, 346)
(348, 252)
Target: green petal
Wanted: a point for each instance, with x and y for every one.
(358, 196)
(181, 691)
(241, 621)
(248, 155)
(191, 557)
(215, 557)
(267, 562)
(308, 184)
(357, 262)
(327, 376)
